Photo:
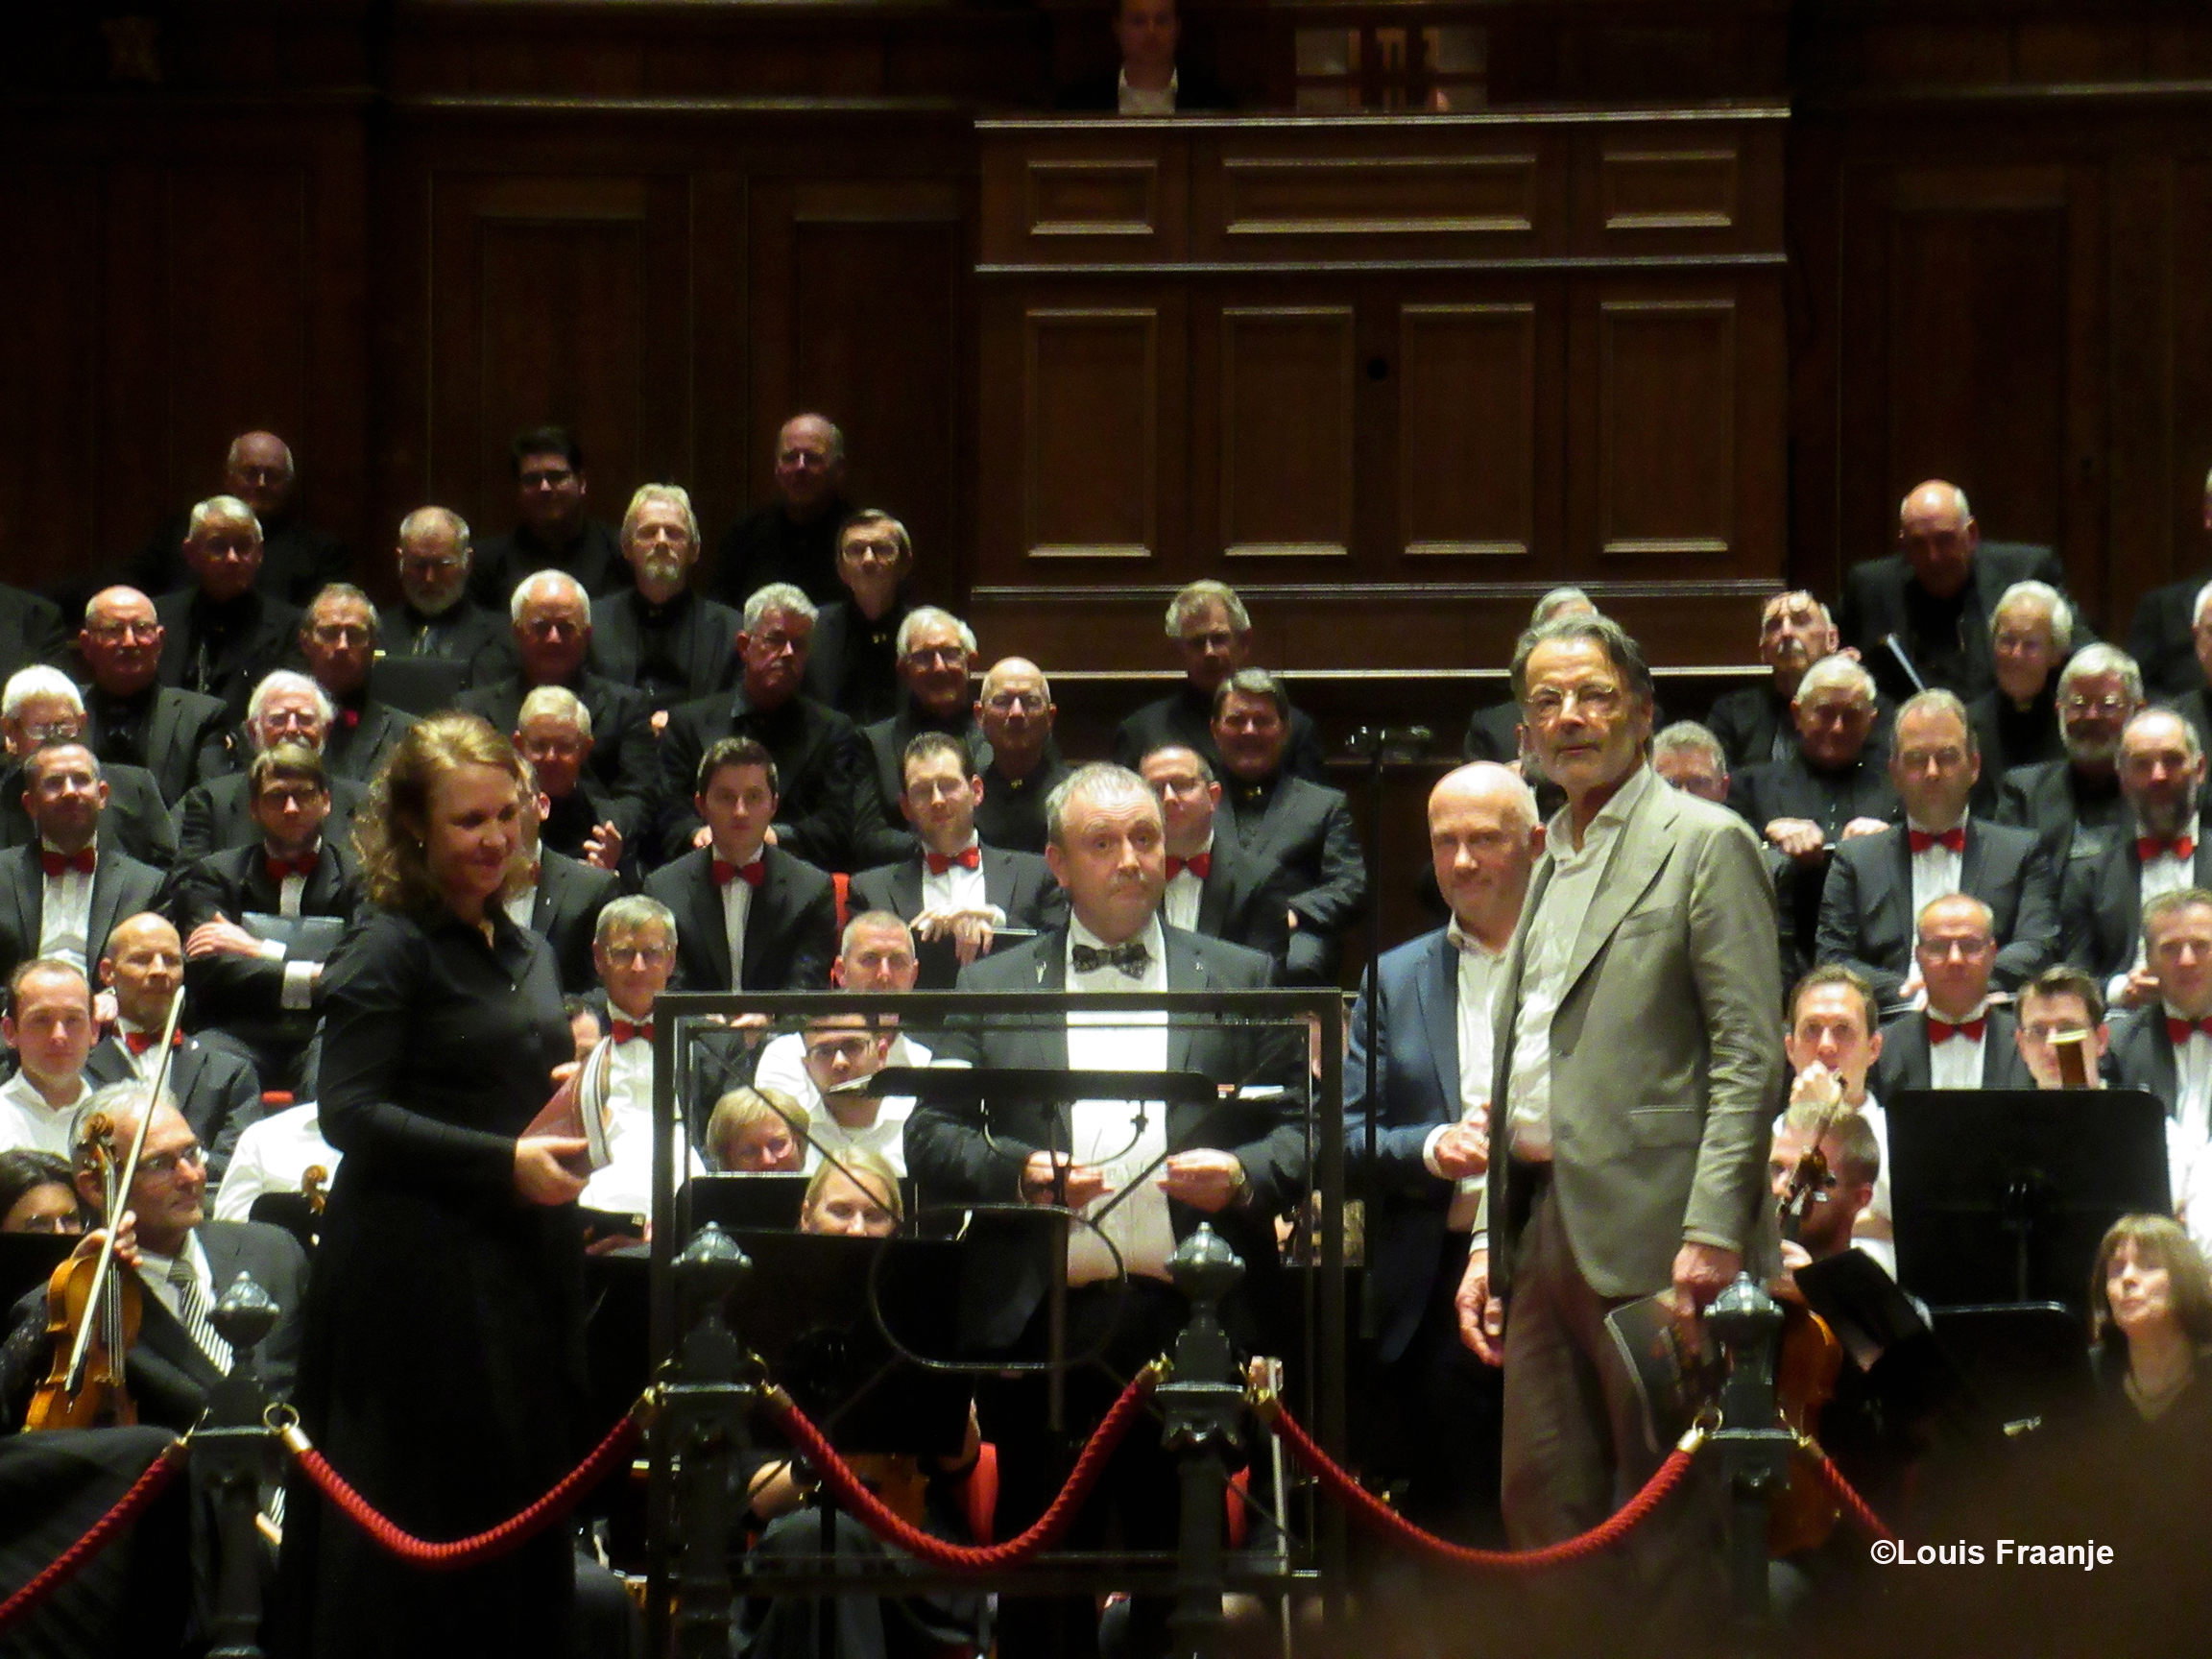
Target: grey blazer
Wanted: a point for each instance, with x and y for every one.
(1666, 1060)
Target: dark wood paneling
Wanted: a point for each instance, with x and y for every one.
(51, 413)
(1664, 475)
(1287, 431)
(1469, 443)
(1091, 401)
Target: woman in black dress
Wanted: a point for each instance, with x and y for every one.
(442, 1370)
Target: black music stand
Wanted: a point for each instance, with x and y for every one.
(2002, 1196)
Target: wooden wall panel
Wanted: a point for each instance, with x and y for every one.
(1287, 432)
(1468, 438)
(1664, 478)
(50, 415)
(1092, 402)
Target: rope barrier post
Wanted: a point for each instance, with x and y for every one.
(706, 1425)
(1204, 1404)
(232, 1449)
(1755, 1444)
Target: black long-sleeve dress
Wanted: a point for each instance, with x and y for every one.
(442, 1370)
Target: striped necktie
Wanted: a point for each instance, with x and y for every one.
(192, 1315)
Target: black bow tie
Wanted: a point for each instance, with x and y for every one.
(1131, 957)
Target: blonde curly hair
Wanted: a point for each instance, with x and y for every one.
(390, 825)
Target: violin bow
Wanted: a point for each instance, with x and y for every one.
(83, 1343)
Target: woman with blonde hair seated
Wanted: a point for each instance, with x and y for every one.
(757, 1132)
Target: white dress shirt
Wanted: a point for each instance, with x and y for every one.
(2193, 1071)
(522, 905)
(1936, 872)
(1137, 101)
(886, 1137)
(1957, 1063)
(1482, 972)
(26, 1121)
(298, 992)
(783, 1064)
(736, 906)
(959, 889)
(1105, 1133)
(65, 918)
(1178, 908)
(1545, 951)
(2164, 874)
(273, 1155)
(624, 1187)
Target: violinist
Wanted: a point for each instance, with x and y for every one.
(1853, 1160)
(1832, 1042)
(181, 1264)
(49, 1025)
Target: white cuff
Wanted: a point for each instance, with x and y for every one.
(271, 950)
(1428, 1151)
(299, 985)
(2115, 989)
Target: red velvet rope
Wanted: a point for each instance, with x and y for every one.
(1847, 1495)
(485, 1545)
(872, 1512)
(1365, 1506)
(127, 1509)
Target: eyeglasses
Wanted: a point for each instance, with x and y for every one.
(2053, 1031)
(639, 955)
(1008, 702)
(938, 657)
(2108, 706)
(427, 566)
(548, 629)
(872, 552)
(117, 632)
(167, 1164)
(343, 634)
(1549, 703)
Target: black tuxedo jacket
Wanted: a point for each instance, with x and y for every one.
(2196, 707)
(878, 832)
(852, 663)
(2009, 740)
(500, 563)
(168, 1376)
(267, 638)
(357, 750)
(470, 634)
(298, 561)
(1905, 1062)
(1746, 721)
(766, 546)
(1185, 716)
(136, 819)
(185, 738)
(216, 1090)
(31, 631)
(704, 645)
(1012, 814)
(819, 761)
(1018, 883)
(2162, 638)
(122, 888)
(576, 815)
(790, 925)
(2101, 904)
(1792, 789)
(1303, 832)
(1866, 907)
(1243, 901)
(1874, 606)
(1493, 734)
(622, 742)
(1196, 93)
(956, 1158)
(565, 914)
(213, 817)
(2073, 817)
(245, 994)
(2141, 1056)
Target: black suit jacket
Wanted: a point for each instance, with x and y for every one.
(216, 1090)
(2196, 707)
(1196, 93)
(704, 645)
(298, 561)
(1866, 907)
(121, 888)
(1243, 901)
(565, 914)
(956, 1158)
(878, 833)
(1494, 734)
(623, 741)
(1746, 721)
(500, 563)
(2162, 638)
(790, 925)
(31, 630)
(1303, 832)
(1185, 716)
(2074, 817)
(244, 993)
(2141, 1056)
(136, 819)
(213, 817)
(1790, 788)
(1018, 883)
(1012, 814)
(819, 761)
(356, 750)
(767, 546)
(468, 633)
(1874, 606)
(265, 639)
(168, 1376)
(852, 663)
(185, 735)
(2101, 904)
(1905, 1062)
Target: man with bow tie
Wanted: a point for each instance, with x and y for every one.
(1878, 885)
(1108, 849)
(218, 1092)
(2165, 1047)
(1214, 886)
(2159, 850)
(953, 891)
(749, 916)
(635, 951)
(253, 960)
(62, 893)
(1958, 1041)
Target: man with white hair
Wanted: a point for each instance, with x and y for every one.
(820, 758)
(131, 718)
(1213, 635)
(2074, 802)
(223, 632)
(217, 815)
(936, 649)
(2195, 705)
(1933, 599)
(2016, 721)
(552, 626)
(2162, 637)
(1753, 723)
(41, 705)
(656, 634)
(437, 617)
(296, 558)
(553, 732)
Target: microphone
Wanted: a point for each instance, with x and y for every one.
(1390, 744)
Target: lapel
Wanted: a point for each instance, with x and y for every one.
(1050, 1037)
(906, 887)
(2165, 1069)
(1640, 851)
(1436, 989)
(1214, 892)
(999, 880)
(1974, 860)
(161, 731)
(100, 915)
(30, 891)
(712, 925)
(1919, 1067)
(1894, 902)
(546, 903)
(1185, 972)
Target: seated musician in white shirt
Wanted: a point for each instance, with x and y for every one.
(48, 1023)
(634, 950)
(876, 953)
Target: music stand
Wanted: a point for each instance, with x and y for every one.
(2004, 1195)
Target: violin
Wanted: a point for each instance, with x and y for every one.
(93, 1306)
(1803, 1513)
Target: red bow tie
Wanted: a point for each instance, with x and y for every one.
(1200, 865)
(350, 718)
(1939, 1032)
(624, 1031)
(2150, 847)
(753, 873)
(1920, 840)
(302, 867)
(968, 858)
(139, 1042)
(57, 862)
(2178, 1029)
